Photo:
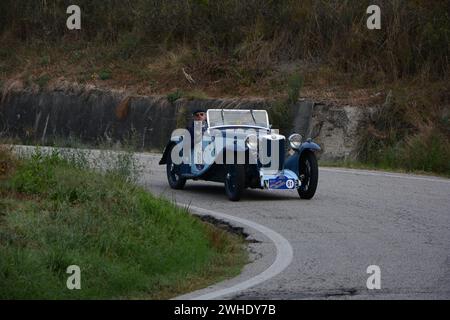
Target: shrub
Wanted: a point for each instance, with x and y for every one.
(43, 80)
(407, 132)
(280, 115)
(127, 45)
(45, 60)
(295, 83)
(174, 96)
(426, 151)
(281, 112)
(104, 74)
(36, 175)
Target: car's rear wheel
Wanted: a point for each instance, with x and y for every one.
(309, 175)
(235, 182)
(173, 177)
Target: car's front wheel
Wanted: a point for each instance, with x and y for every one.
(309, 175)
(235, 182)
(173, 177)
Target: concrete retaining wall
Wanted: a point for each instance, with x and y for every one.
(96, 117)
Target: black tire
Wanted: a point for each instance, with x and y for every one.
(235, 182)
(175, 181)
(309, 175)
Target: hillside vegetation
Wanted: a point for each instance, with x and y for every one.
(230, 39)
(220, 48)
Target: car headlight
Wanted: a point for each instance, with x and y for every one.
(252, 142)
(295, 140)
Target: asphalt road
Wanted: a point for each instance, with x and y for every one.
(398, 222)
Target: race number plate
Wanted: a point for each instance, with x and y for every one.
(281, 183)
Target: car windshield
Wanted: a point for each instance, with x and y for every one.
(227, 117)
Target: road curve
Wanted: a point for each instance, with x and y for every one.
(283, 258)
(357, 218)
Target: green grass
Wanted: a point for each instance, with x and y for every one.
(54, 212)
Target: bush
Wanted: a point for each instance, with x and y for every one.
(43, 80)
(104, 74)
(281, 112)
(37, 175)
(280, 115)
(295, 83)
(127, 45)
(174, 96)
(428, 151)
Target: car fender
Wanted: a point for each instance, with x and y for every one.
(292, 162)
(166, 152)
(309, 145)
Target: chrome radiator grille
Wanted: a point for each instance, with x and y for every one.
(267, 148)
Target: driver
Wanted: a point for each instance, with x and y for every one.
(199, 115)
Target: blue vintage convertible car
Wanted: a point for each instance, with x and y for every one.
(239, 148)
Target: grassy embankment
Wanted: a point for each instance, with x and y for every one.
(254, 48)
(405, 134)
(54, 212)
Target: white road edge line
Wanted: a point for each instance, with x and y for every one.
(283, 258)
(384, 174)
